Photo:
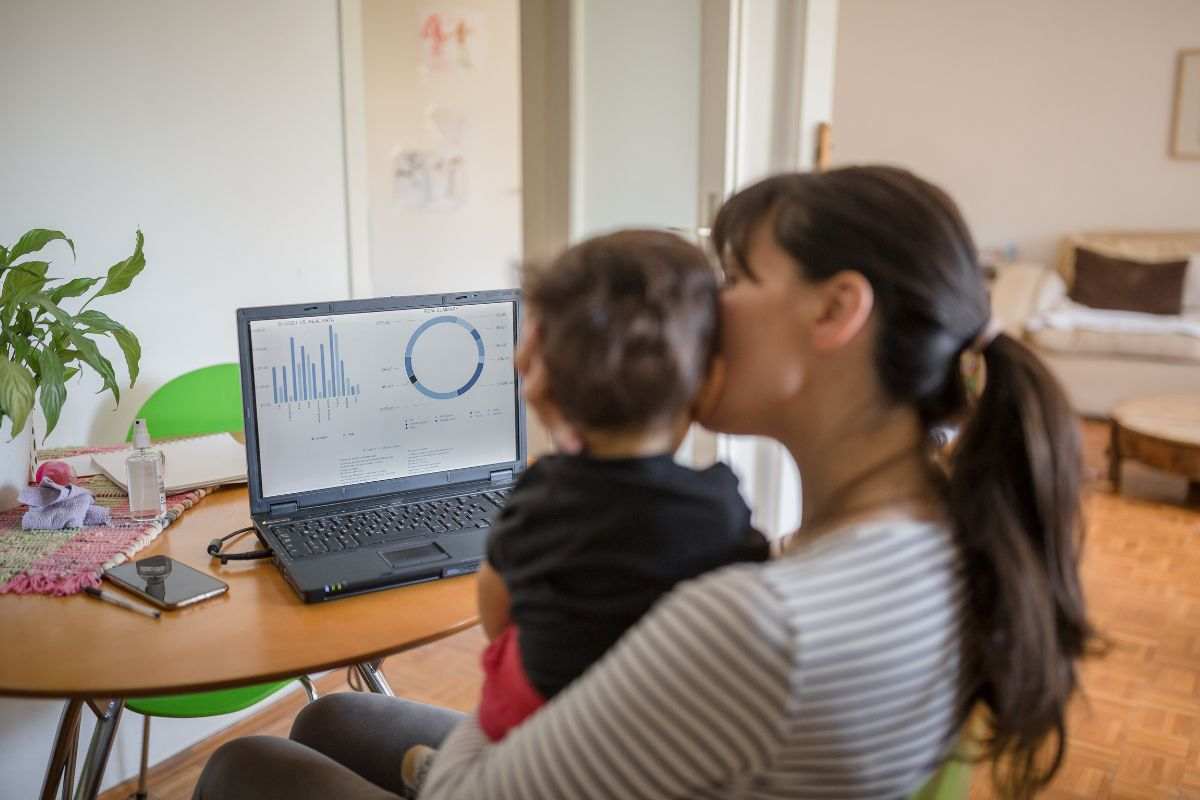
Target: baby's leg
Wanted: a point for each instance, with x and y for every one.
(508, 697)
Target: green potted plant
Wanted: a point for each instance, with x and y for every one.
(43, 345)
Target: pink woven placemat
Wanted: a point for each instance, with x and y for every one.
(65, 562)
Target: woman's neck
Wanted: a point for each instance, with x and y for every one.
(861, 458)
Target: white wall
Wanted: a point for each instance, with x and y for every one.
(216, 128)
(476, 245)
(1038, 116)
(636, 106)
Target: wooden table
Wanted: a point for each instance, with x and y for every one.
(1161, 432)
(80, 648)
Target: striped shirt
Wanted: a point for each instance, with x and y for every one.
(831, 672)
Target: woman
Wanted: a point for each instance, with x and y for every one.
(911, 595)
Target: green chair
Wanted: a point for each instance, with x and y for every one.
(206, 400)
(951, 782)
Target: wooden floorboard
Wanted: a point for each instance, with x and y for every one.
(1135, 735)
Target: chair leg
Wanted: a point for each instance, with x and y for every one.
(142, 794)
(98, 751)
(60, 754)
(309, 688)
(72, 756)
(372, 676)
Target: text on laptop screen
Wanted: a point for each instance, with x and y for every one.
(371, 396)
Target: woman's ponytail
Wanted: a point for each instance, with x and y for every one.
(1014, 479)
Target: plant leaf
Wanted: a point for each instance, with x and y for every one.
(97, 321)
(23, 326)
(16, 393)
(101, 322)
(23, 280)
(53, 310)
(27, 355)
(72, 288)
(121, 274)
(132, 349)
(87, 352)
(53, 392)
(35, 240)
(69, 372)
(3, 256)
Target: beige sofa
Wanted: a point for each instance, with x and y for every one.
(1103, 358)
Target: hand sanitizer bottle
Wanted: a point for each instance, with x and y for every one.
(145, 468)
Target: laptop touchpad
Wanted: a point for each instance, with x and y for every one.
(412, 556)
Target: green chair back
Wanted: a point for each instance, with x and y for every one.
(951, 782)
(205, 400)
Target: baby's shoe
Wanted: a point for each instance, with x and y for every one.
(416, 765)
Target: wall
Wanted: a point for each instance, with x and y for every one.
(215, 127)
(636, 114)
(545, 126)
(1038, 116)
(452, 247)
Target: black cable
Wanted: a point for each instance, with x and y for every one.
(214, 548)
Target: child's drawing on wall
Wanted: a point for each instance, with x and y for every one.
(450, 41)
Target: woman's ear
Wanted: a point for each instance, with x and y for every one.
(710, 391)
(846, 302)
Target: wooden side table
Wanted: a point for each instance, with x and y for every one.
(1161, 432)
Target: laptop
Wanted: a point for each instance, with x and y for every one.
(382, 435)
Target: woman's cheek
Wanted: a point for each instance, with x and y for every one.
(736, 410)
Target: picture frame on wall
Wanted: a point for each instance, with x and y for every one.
(1185, 123)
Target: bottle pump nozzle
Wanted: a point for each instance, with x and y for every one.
(141, 434)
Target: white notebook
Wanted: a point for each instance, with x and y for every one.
(191, 463)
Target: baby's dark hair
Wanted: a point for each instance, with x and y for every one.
(628, 325)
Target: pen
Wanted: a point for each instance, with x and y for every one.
(116, 600)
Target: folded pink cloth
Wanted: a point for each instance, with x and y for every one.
(53, 506)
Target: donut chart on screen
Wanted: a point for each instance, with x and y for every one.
(412, 343)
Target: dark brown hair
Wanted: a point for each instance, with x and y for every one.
(1013, 478)
(628, 327)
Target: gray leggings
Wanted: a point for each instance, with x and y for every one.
(347, 746)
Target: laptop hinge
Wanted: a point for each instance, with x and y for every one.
(283, 509)
(502, 476)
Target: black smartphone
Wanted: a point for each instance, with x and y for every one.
(165, 582)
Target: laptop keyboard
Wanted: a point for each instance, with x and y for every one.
(332, 534)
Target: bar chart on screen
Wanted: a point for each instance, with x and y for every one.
(315, 371)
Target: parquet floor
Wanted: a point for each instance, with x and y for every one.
(1135, 735)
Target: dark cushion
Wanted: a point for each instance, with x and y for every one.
(1122, 284)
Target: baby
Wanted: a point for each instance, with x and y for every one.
(625, 327)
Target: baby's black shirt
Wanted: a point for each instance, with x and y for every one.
(586, 546)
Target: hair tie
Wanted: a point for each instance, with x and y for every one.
(985, 336)
(970, 361)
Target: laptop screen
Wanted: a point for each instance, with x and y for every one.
(350, 398)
